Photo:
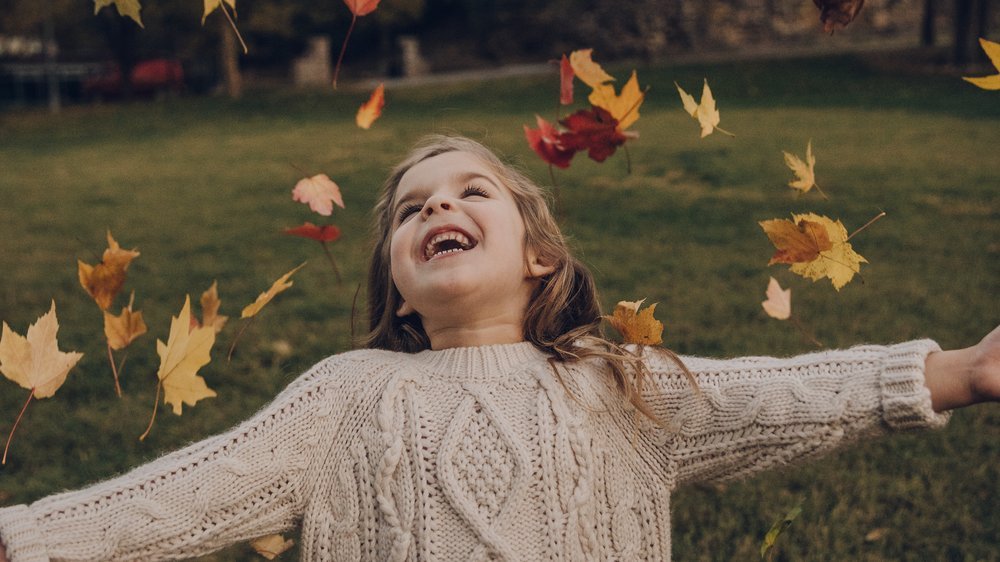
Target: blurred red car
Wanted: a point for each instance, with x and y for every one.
(149, 77)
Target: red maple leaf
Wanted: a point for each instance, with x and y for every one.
(565, 81)
(546, 142)
(593, 130)
(325, 233)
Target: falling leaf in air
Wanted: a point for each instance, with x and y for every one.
(322, 234)
(210, 304)
(779, 301)
(120, 332)
(635, 326)
(594, 130)
(705, 112)
(588, 71)
(104, 281)
(623, 106)
(277, 287)
(213, 5)
(35, 362)
(805, 171)
(319, 192)
(371, 109)
(271, 546)
(767, 545)
(185, 352)
(834, 13)
(815, 246)
(546, 142)
(991, 82)
(565, 81)
(358, 8)
(128, 8)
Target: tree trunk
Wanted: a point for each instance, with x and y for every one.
(229, 58)
(927, 35)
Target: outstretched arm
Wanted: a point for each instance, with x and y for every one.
(963, 377)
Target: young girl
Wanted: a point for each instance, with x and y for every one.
(489, 419)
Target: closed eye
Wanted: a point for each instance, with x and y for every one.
(474, 191)
(407, 210)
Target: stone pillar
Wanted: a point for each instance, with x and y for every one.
(414, 63)
(312, 68)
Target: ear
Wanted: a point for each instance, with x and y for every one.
(536, 266)
(404, 309)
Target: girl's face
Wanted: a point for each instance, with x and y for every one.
(457, 247)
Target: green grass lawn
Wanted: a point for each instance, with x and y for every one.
(202, 188)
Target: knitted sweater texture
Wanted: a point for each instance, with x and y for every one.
(477, 454)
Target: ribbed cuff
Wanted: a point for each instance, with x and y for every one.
(906, 400)
(20, 535)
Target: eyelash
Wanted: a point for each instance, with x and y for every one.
(410, 208)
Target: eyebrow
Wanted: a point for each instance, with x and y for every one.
(459, 178)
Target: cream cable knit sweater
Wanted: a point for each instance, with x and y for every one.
(476, 454)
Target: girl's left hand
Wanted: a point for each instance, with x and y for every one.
(962, 377)
(985, 376)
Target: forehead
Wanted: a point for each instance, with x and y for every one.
(442, 170)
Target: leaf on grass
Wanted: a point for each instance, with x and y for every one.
(125, 328)
(779, 301)
(565, 81)
(635, 326)
(35, 362)
(324, 233)
(127, 8)
(319, 192)
(371, 109)
(210, 304)
(705, 112)
(775, 531)
(594, 130)
(805, 171)
(185, 352)
(991, 82)
(809, 235)
(271, 546)
(213, 5)
(277, 287)
(834, 13)
(546, 142)
(105, 280)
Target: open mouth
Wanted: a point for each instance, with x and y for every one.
(446, 243)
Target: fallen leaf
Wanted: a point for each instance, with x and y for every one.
(277, 287)
(594, 130)
(210, 304)
(796, 241)
(588, 71)
(361, 7)
(779, 301)
(546, 142)
(565, 81)
(325, 233)
(805, 171)
(634, 326)
(128, 8)
(185, 352)
(271, 546)
(775, 531)
(105, 280)
(212, 5)
(705, 112)
(35, 362)
(991, 82)
(319, 192)
(371, 109)
(835, 13)
(123, 329)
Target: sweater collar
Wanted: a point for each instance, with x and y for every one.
(480, 363)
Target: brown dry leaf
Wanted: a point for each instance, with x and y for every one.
(271, 546)
(210, 303)
(277, 287)
(185, 352)
(796, 240)
(815, 246)
(104, 281)
(123, 329)
(779, 301)
(834, 13)
(35, 362)
(634, 326)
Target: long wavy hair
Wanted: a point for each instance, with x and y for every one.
(564, 314)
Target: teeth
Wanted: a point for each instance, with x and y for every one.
(432, 248)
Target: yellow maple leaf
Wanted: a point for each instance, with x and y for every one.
(104, 280)
(271, 546)
(805, 171)
(623, 106)
(779, 301)
(129, 8)
(277, 287)
(705, 112)
(35, 362)
(212, 5)
(185, 352)
(210, 304)
(839, 262)
(991, 82)
(588, 71)
(634, 326)
(796, 240)
(123, 329)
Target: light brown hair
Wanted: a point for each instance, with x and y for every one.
(564, 314)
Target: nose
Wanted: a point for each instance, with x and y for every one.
(436, 203)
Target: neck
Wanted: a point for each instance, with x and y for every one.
(483, 331)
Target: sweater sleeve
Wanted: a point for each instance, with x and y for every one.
(235, 486)
(755, 413)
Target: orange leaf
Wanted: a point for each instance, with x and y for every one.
(361, 7)
(371, 109)
(779, 301)
(323, 233)
(271, 546)
(210, 304)
(123, 329)
(319, 192)
(277, 287)
(796, 242)
(104, 280)
(35, 362)
(636, 327)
